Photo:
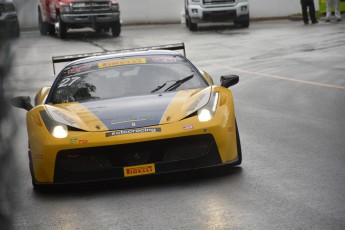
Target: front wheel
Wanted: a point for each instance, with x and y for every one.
(244, 23)
(61, 28)
(192, 26)
(43, 26)
(116, 29)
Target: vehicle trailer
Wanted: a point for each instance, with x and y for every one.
(57, 16)
(200, 11)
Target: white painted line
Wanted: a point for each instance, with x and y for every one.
(279, 77)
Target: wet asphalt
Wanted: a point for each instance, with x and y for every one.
(290, 109)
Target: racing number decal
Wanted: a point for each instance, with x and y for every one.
(68, 81)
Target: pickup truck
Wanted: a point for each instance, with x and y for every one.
(199, 11)
(57, 16)
(9, 24)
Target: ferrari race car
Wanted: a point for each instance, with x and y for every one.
(129, 113)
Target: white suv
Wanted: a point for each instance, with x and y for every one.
(197, 11)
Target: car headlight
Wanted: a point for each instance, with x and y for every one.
(65, 8)
(56, 129)
(194, 2)
(114, 5)
(207, 112)
(60, 131)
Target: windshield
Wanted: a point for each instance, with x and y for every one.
(124, 77)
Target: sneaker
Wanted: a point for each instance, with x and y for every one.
(306, 23)
(327, 20)
(315, 22)
(339, 20)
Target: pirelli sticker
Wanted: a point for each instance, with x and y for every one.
(132, 131)
(128, 61)
(139, 170)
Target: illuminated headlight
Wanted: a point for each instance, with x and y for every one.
(56, 129)
(60, 131)
(204, 115)
(207, 112)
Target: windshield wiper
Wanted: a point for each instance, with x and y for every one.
(159, 87)
(173, 86)
(178, 83)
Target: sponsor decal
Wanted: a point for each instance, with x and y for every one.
(188, 127)
(132, 131)
(75, 140)
(78, 69)
(139, 170)
(132, 119)
(163, 59)
(129, 61)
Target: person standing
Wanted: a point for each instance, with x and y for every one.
(305, 5)
(329, 5)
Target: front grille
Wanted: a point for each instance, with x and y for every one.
(217, 2)
(90, 6)
(219, 15)
(108, 161)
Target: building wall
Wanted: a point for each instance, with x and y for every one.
(166, 11)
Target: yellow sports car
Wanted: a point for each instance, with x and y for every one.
(129, 113)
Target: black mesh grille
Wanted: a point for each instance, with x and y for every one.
(108, 161)
(219, 15)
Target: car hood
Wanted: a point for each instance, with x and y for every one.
(130, 112)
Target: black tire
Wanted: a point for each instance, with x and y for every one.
(192, 26)
(187, 18)
(239, 149)
(243, 23)
(43, 26)
(61, 31)
(51, 29)
(16, 32)
(116, 29)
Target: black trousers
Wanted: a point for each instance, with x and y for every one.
(305, 4)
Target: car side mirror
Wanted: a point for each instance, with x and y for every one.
(22, 102)
(229, 80)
